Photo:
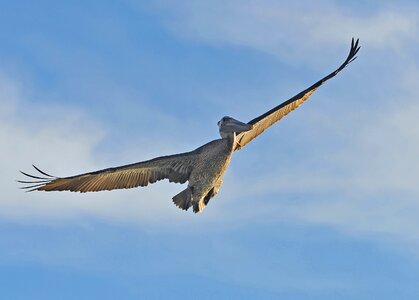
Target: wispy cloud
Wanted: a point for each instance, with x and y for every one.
(369, 182)
(377, 156)
(289, 30)
(315, 206)
(64, 141)
(366, 185)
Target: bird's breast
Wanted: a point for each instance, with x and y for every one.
(213, 161)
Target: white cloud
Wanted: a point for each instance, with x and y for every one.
(63, 141)
(367, 185)
(293, 31)
(352, 188)
(378, 190)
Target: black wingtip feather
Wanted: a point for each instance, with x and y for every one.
(37, 182)
(31, 186)
(352, 52)
(33, 176)
(40, 181)
(42, 172)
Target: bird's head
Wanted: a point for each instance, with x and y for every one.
(228, 126)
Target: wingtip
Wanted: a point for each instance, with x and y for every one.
(36, 181)
(355, 46)
(42, 172)
(355, 42)
(352, 53)
(33, 176)
(355, 57)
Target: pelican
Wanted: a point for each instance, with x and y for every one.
(203, 167)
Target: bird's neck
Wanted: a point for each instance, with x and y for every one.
(229, 135)
(231, 139)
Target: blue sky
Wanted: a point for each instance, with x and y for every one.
(323, 205)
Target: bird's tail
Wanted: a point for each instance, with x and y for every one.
(183, 200)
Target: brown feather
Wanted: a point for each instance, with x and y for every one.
(176, 168)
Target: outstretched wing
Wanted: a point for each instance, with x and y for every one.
(176, 168)
(277, 113)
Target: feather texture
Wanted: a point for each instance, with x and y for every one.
(176, 168)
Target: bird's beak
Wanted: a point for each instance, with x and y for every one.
(236, 126)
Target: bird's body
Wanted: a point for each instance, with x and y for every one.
(204, 167)
(206, 177)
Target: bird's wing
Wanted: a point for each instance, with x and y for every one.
(176, 168)
(277, 113)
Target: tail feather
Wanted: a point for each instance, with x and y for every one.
(183, 200)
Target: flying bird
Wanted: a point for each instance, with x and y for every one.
(203, 167)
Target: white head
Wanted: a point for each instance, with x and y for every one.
(228, 126)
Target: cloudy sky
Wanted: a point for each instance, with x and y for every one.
(324, 205)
